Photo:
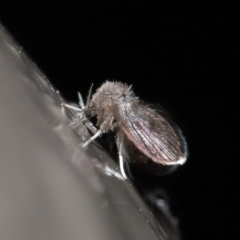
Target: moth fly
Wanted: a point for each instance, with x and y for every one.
(118, 109)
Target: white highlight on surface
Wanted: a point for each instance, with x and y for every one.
(111, 172)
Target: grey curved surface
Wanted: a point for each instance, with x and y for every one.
(50, 187)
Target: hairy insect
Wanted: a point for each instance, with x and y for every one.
(137, 125)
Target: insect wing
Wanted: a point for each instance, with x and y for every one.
(153, 134)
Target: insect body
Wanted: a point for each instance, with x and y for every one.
(136, 124)
(118, 109)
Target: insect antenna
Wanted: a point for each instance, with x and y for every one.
(80, 101)
(89, 95)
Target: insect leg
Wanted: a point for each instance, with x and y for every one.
(81, 116)
(64, 105)
(103, 129)
(92, 138)
(80, 102)
(120, 155)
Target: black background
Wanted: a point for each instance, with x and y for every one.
(183, 55)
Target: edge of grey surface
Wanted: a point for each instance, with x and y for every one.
(50, 187)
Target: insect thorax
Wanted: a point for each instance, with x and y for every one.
(105, 103)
